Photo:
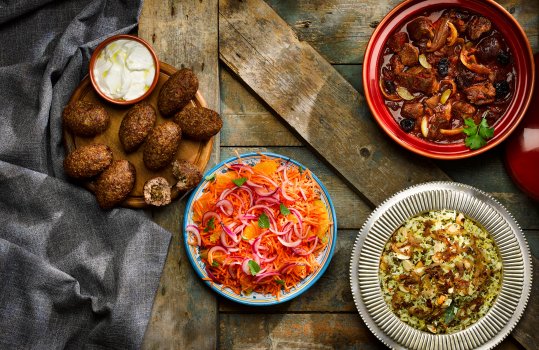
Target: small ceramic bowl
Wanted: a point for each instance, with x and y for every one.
(522, 59)
(102, 46)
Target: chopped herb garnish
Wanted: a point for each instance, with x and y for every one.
(281, 282)
(215, 264)
(239, 182)
(253, 267)
(477, 135)
(450, 313)
(263, 221)
(210, 225)
(301, 169)
(284, 209)
(210, 177)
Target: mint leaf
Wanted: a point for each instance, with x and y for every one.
(239, 182)
(281, 282)
(469, 127)
(284, 210)
(210, 225)
(484, 130)
(475, 142)
(450, 314)
(215, 264)
(263, 221)
(210, 177)
(253, 267)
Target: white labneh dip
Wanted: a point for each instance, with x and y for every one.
(124, 70)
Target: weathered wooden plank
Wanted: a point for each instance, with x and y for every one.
(260, 129)
(295, 331)
(331, 293)
(351, 210)
(532, 236)
(184, 34)
(311, 97)
(247, 123)
(340, 29)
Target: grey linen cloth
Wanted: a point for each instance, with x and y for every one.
(71, 275)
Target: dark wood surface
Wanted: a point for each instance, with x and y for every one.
(186, 314)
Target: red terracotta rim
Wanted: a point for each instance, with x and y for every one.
(522, 56)
(101, 46)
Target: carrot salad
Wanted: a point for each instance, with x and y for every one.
(260, 228)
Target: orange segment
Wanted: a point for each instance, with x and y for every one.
(267, 167)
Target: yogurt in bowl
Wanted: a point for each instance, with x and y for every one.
(124, 69)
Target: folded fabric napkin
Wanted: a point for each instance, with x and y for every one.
(71, 275)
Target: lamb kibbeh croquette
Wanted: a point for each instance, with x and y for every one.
(157, 192)
(161, 145)
(115, 183)
(187, 174)
(87, 161)
(85, 118)
(177, 91)
(198, 123)
(136, 125)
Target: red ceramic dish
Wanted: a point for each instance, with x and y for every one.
(522, 150)
(521, 54)
(96, 54)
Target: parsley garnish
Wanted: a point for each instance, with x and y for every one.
(210, 225)
(253, 267)
(477, 134)
(284, 210)
(263, 221)
(210, 177)
(215, 264)
(281, 282)
(301, 169)
(239, 182)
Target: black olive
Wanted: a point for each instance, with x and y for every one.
(407, 124)
(502, 89)
(390, 86)
(503, 58)
(443, 66)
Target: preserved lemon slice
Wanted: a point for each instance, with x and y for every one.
(404, 93)
(423, 61)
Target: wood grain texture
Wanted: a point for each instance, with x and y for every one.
(340, 29)
(295, 331)
(184, 34)
(311, 97)
(249, 124)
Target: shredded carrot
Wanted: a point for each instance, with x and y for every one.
(261, 226)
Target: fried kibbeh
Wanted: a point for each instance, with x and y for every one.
(198, 123)
(87, 161)
(85, 118)
(187, 174)
(136, 125)
(161, 145)
(115, 183)
(177, 91)
(157, 191)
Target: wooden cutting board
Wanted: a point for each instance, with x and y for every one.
(197, 152)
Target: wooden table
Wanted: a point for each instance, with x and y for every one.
(186, 314)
